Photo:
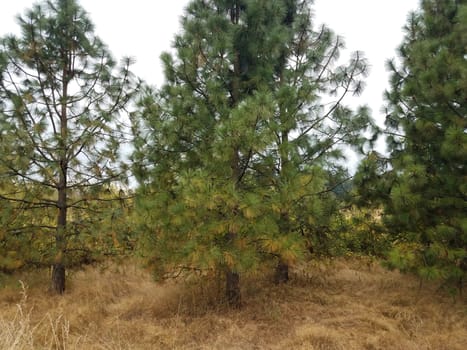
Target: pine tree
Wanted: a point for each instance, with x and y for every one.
(427, 119)
(236, 149)
(61, 94)
(311, 124)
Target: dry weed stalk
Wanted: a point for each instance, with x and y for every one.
(21, 332)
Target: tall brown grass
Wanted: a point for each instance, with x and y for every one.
(345, 304)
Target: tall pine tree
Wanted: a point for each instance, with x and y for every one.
(61, 95)
(427, 122)
(310, 126)
(236, 149)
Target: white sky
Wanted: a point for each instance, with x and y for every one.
(144, 29)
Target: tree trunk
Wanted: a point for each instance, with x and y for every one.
(233, 288)
(58, 269)
(58, 278)
(232, 278)
(282, 272)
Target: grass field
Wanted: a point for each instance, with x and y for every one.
(346, 304)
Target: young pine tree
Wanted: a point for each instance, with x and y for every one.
(203, 206)
(236, 148)
(427, 123)
(310, 127)
(61, 94)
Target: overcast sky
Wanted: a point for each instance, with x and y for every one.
(144, 28)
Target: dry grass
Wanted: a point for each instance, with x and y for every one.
(344, 305)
